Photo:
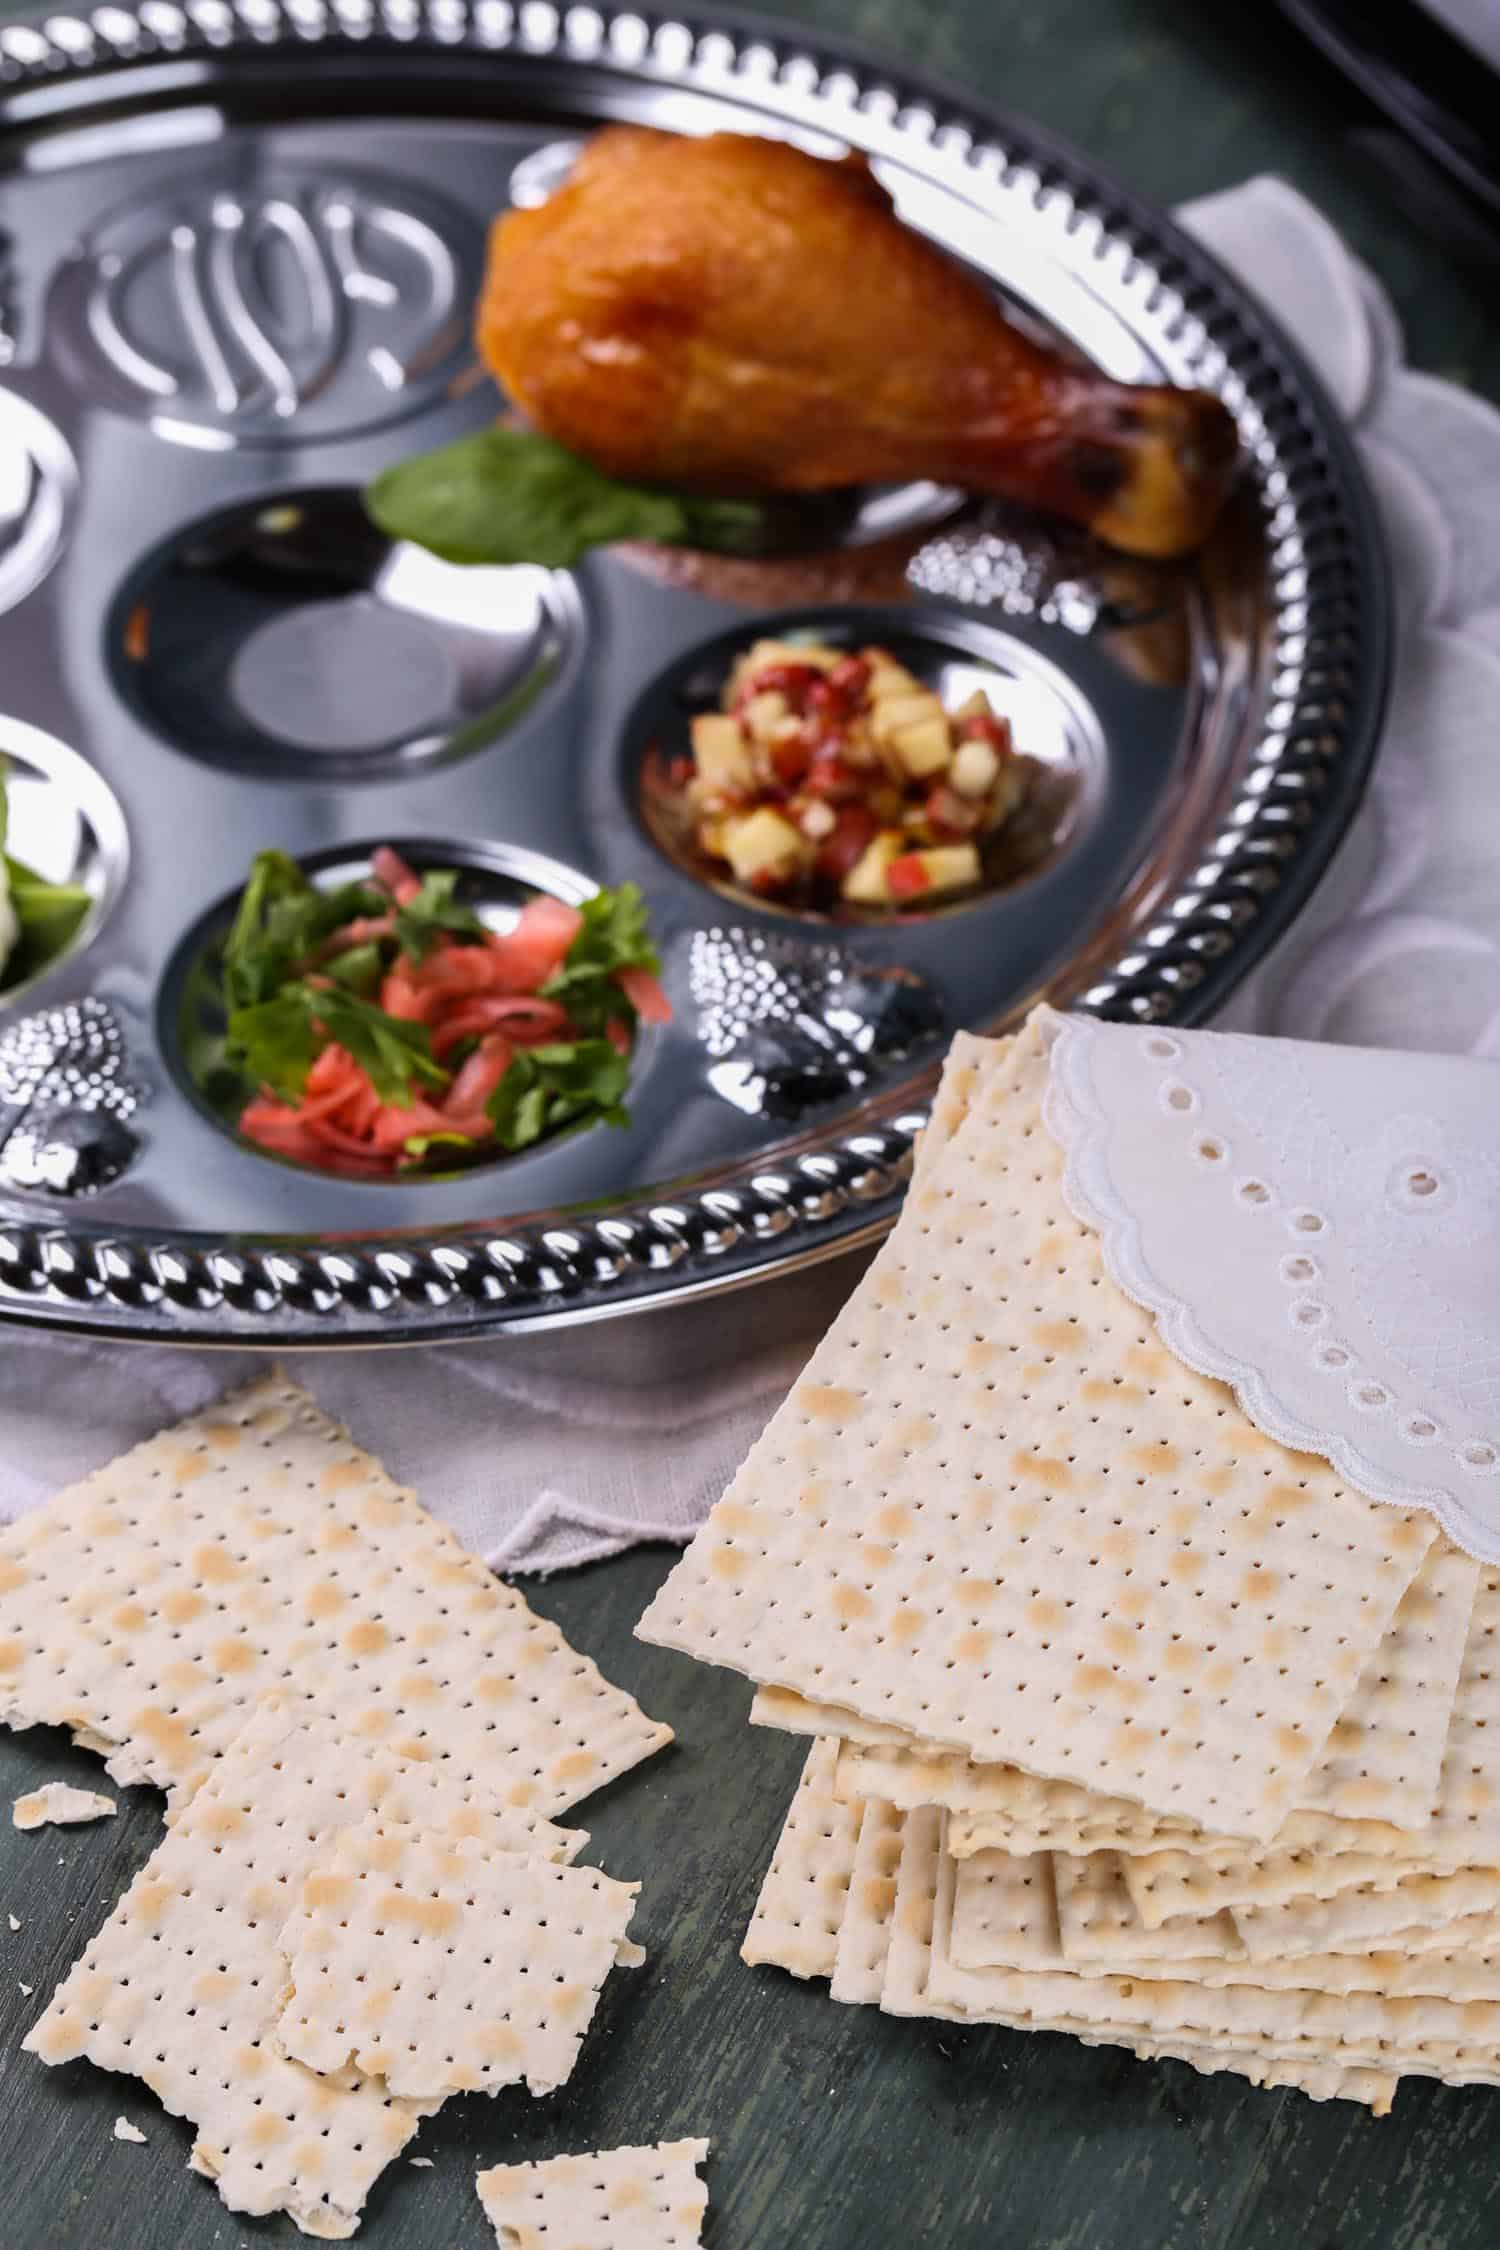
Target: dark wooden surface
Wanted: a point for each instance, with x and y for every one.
(835, 2129)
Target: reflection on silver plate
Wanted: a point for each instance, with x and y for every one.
(293, 305)
(287, 635)
(247, 288)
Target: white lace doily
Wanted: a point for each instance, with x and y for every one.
(1401, 947)
(1318, 1226)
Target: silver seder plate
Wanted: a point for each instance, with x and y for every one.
(239, 248)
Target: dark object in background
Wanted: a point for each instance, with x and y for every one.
(1441, 91)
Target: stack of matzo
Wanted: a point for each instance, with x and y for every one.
(360, 1905)
(1129, 1721)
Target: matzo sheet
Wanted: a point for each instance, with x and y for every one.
(1369, 1915)
(253, 1550)
(801, 1903)
(997, 1512)
(864, 1934)
(1382, 1765)
(922, 1903)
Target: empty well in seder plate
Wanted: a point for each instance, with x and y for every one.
(288, 636)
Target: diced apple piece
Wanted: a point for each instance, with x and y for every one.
(866, 883)
(924, 749)
(944, 867)
(859, 745)
(898, 711)
(888, 680)
(816, 653)
(763, 844)
(763, 654)
(976, 767)
(761, 714)
(722, 755)
(975, 706)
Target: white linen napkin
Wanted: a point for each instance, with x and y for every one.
(1400, 947)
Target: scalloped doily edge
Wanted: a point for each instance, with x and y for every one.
(1077, 1123)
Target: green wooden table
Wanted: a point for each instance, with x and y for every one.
(837, 2129)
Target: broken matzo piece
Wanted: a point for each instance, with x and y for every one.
(997, 1512)
(440, 1966)
(254, 1550)
(796, 1920)
(183, 1985)
(621, 2199)
(58, 1803)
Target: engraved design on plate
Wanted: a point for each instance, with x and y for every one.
(65, 1100)
(37, 483)
(303, 305)
(788, 1026)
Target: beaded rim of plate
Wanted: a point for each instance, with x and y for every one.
(1328, 600)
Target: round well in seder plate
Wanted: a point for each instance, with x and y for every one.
(63, 824)
(289, 637)
(1056, 730)
(495, 879)
(38, 481)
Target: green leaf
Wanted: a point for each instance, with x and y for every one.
(421, 1144)
(277, 1041)
(48, 913)
(395, 1054)
(547, 1088)
(512, 496)
(279, 924)
(433, 911)
(274, 1041)
(359, 969)
(614, 936)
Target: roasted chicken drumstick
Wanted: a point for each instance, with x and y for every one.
(735, 315)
